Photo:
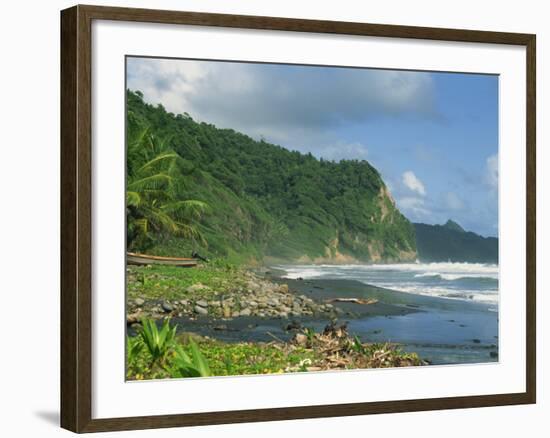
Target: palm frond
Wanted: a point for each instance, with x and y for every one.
(186, 209)
(133, 199)
(154, 182)
(165, 160)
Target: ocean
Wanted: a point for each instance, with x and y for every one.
(457, 303)
(462, 281)
(447, 313)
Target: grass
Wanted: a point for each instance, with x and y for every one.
(171, 282)
(207, 357)
(157, 354)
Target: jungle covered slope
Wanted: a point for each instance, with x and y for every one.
(266, 201)
(450, 242)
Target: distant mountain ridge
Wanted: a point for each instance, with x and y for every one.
(450, 242)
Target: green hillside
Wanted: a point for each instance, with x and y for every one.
(261, 200)
(450, 242)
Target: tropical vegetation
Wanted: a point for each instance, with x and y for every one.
(450, 242)
(193, 186)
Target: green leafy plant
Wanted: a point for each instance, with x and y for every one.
(310, 334)
(158, 342)
(155, 203)
(134, 346)
(358, 346)
(194, 365)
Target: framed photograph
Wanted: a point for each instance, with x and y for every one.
(270, 218)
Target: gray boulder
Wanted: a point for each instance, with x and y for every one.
(201, 310)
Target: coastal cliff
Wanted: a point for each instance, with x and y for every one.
(265, 201)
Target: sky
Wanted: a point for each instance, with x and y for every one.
(432, 135)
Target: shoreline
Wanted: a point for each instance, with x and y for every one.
(267, 295)
(440, 330)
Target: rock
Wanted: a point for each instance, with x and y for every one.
(133, 318)
(268, 287)
(283, 288)
(245, 312)
(214, 303)
(202, 303)
(253, 304)
(139, 302)
(201, 310)
(226, 311)
(167, 307)
(299, 339)
(273, 302)
(184, 302)
(252, 285)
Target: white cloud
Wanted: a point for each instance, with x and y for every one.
(289, 105)
(413, 183)
(453, 201)
(413, 207)
(492, 171)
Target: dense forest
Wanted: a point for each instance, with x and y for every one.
(194, 187)
(450, 242)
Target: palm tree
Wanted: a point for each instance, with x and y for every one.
(155, 203)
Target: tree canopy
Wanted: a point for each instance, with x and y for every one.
(264, 200)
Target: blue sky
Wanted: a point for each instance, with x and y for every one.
(433, 136)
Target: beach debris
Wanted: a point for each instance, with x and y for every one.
(334, 348)
(353, 300)
(336, 332)
(293, 325)
(299, 339)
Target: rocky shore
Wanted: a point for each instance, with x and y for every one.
(252, 296)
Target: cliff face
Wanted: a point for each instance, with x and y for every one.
(268, 201)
